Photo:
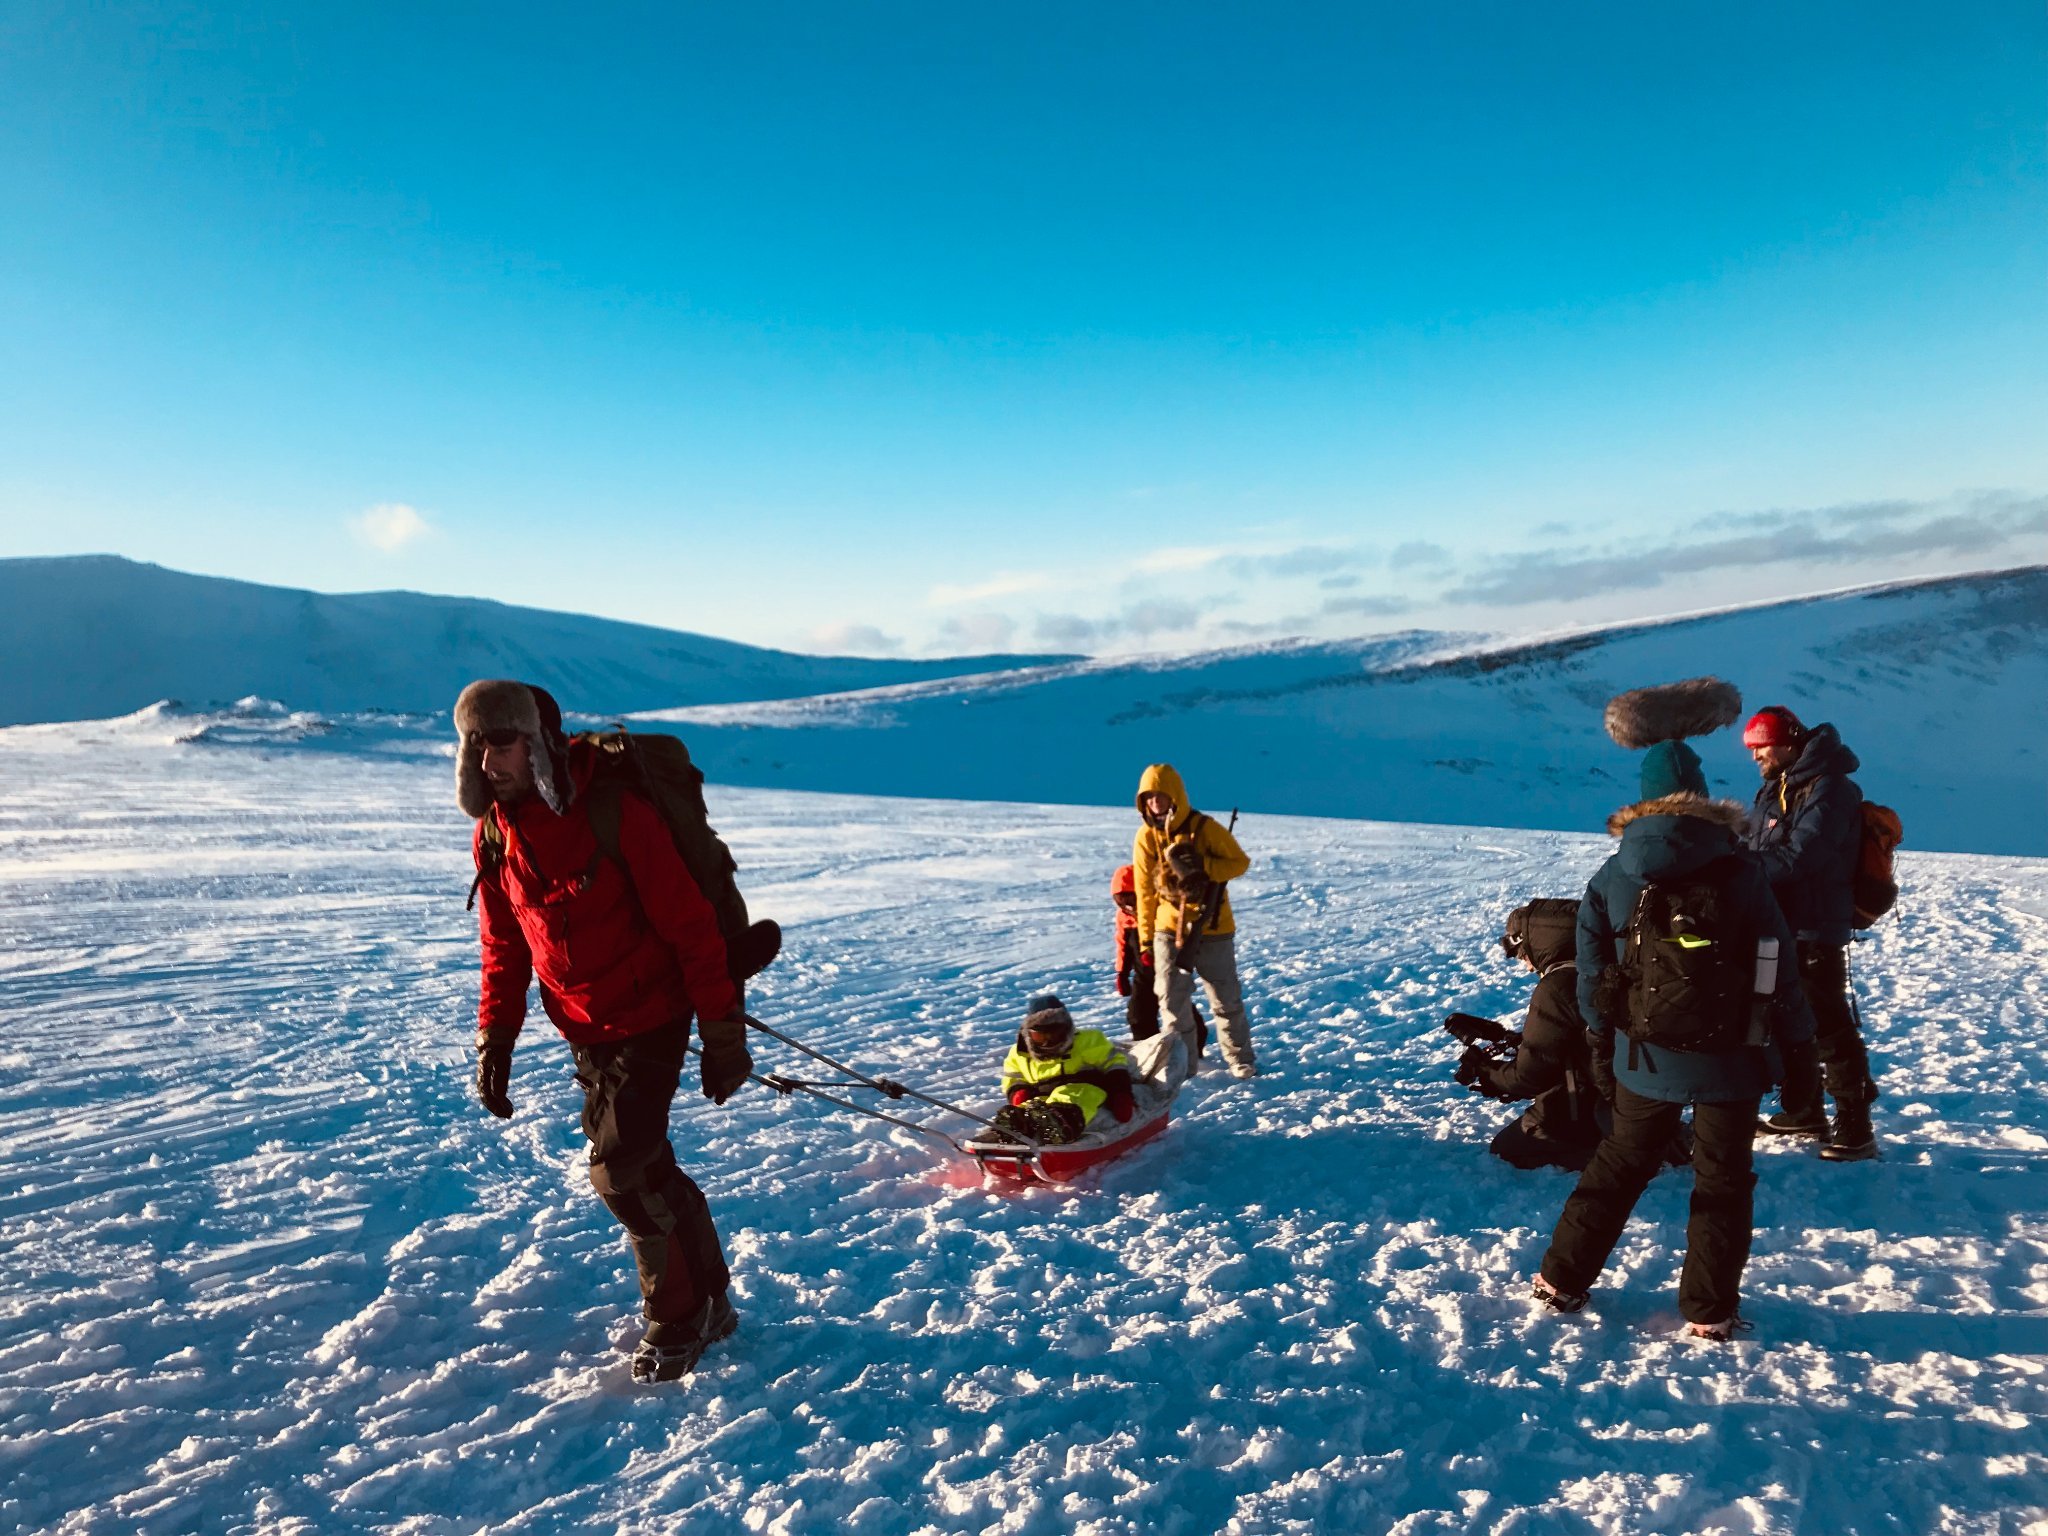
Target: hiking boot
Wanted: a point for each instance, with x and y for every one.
(671, 1350)
(1244, 1069)
(1864, 1151)
(1555, 1299)
(1812, 1122)
(1853, 1140)
(1718, 1333)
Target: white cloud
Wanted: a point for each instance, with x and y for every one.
(1162, 561)
(845, 639)
(1008, 584)
(390, 526)
(978, 633)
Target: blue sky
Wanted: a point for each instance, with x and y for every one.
(912, 327)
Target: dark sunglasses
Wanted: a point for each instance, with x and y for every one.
(500, 739)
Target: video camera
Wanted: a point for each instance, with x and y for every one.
(1485, 1040)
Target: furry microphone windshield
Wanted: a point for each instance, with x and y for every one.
(1642, 717)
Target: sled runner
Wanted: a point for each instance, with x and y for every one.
(1159, 1066)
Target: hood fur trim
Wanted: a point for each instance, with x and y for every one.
(1642, 717)
(1729, 814)
(500, 704)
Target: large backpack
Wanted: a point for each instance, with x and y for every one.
(1688, 965)
(659, 770)
(1873, 888)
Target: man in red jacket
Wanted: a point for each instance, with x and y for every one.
(626, 951)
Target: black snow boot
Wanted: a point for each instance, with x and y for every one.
(671, 1350)
(1813, 1122)
(1854, 1141)
(1554, 1298)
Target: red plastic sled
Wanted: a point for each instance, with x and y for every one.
(1063, 1164)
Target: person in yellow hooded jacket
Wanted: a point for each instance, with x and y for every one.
(1057, 1078)
(1180, 857)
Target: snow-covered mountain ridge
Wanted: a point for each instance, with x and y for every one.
(1937, 685)
(90, 636)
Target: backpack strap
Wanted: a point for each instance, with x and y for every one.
(601, 802)
(490, 854)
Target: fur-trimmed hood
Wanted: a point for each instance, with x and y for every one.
(1724, 812)
(1671, 837)
(500, 704)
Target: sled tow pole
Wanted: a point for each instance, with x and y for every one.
(883, 1085)
(852, 1078)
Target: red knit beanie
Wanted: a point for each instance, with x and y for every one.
(1772, 726)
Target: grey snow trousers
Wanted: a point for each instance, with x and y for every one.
(1216, 964)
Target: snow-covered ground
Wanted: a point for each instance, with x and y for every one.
(268, 1268)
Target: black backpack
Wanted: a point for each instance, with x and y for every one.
(659, 770)
(1687, 968)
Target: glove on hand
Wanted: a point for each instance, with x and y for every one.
(1471, 1071)
(722, 1059)
(1020, 1095)
(1185, 860)
(494, 1072)
(1123, 980)
(1121, 1102)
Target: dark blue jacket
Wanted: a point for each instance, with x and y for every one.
(1669, 839)
(1807, 827)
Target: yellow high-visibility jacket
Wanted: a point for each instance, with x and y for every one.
(1222, 859)
(1090, 1052)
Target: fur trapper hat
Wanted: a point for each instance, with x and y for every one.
(1046, 1016)
(1642, 717)
(500, 704)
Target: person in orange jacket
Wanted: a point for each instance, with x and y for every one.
(1179, 859)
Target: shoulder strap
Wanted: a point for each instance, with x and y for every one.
(490, 854)
(601, 804)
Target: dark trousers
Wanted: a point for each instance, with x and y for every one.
(627, 1088)
(1723, 1200)
(1141, 1008)
(1141, 1005)
(1844, 1063)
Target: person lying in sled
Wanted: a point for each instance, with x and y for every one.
(1057, 1078)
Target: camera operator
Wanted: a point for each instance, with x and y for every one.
(1550, 1060)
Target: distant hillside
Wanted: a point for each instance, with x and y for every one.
(1940, 686)
(94, 635)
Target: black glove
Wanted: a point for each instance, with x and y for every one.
(722, 1059)
(1471, 1064)
(494, 1072)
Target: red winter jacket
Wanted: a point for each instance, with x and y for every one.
(614, 957)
